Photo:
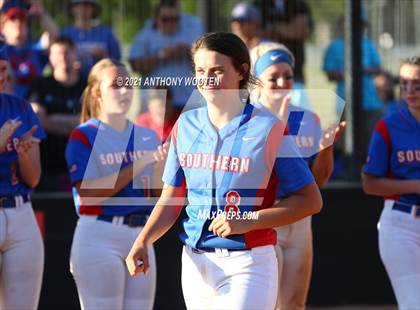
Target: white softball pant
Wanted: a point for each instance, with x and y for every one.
(294, 256)
(230, 280)
(97, 264)
(21, 257)
(399, 246)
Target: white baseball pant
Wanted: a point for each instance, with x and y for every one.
(21, 257)
(294, 256)
(230, 279)
(399, 246)
(97, 264)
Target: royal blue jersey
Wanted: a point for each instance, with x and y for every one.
(100, 36)
(15, 108)
(238, 163)
(394, 150)
(96, 150)
(27, 64)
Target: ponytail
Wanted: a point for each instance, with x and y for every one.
(90, 102)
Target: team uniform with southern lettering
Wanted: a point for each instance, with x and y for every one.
(294, 241)
(233, 169)
(21, 246)
(106, 230)
(394, 152)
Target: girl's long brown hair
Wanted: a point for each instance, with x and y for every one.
(90, 103)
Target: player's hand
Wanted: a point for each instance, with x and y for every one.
(284, 107)
(158, 155)
(161, 153)
(332, 134)
(223, 227)
(137, 261)
(27, 141)
(6, 132)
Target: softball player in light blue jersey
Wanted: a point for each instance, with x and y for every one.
(224, 157)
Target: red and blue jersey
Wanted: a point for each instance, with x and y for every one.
(15, 108)
(303, 129)
(27, 64)
(96, 150)
(238, 163)
(394, 150)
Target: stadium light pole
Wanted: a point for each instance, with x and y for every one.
(353, 75)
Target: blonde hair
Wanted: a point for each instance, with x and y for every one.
(90, 103)
(259, 51)
(266, 47)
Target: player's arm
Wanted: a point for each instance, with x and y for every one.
(46, 21)
(99, 188)
(383, 186)
(29, 158)
(58, 124)
(302, 196)
(323, 164)
(162, 218)
(302, 203)
(375, 171)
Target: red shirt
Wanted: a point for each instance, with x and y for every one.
(145, 120)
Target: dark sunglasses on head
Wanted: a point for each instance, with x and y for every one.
(167, 19)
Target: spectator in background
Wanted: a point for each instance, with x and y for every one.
(186, 21)
(385, 84)
(289, 22)
(161, 116)
(27, 60)
(57, 103)
(164, 51)
(245, 22)
(93, 40)
(334, 68)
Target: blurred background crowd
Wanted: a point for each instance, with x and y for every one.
(53, 44)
